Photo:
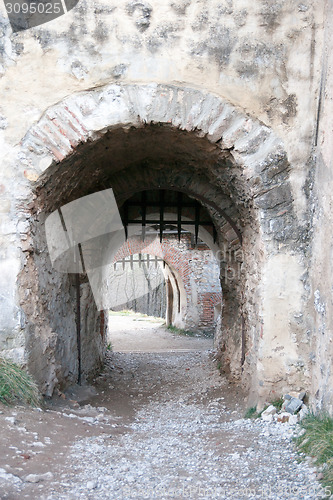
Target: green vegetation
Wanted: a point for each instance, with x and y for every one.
(278, 403)
(16, 386)
(251, 412)
(317, 442)
(180, 331)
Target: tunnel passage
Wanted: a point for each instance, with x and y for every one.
(191, 273)
(137, 283)
(152, 138)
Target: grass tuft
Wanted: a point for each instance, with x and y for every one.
(17, 386)
(180, 331)
(317, 442)
(278, 403)
(251, 412)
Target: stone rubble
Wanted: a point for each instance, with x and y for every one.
(293, 410)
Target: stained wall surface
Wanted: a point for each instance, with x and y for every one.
(264, 61)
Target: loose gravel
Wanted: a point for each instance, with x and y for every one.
(187, 440)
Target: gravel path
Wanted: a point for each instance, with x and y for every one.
(187, 440)
(159, 425)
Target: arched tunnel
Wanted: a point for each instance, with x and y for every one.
(154, 157)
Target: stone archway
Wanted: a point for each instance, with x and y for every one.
(181, 138)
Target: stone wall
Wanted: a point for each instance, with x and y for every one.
(218, 99)
(49, 320)
(319, 333)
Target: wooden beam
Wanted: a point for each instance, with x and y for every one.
(172, 222)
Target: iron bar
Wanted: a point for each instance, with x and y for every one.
(126, 219)
(78, 326)
(197, 221)
(199, 197)
(144, 212)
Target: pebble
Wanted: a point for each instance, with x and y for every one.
(36, 478)
(91, 485)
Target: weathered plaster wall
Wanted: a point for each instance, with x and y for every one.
(261, 56)
(320, 321)
(47, 302)
(264, 58)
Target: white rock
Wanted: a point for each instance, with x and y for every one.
(293, 419)
(304, 411)
(38, 444)
(267, 415)
(47, 476)
(7, 476)
(91, 485)
(36, 478)
(240, 421)
(90, 420)
(32, 478)
(11, 420)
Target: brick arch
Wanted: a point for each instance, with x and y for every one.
(249, 168)
(87, 116)
(178, 262)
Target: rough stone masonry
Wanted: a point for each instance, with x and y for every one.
(227, 101)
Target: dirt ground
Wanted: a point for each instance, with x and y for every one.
(160, 422)
(137, 333)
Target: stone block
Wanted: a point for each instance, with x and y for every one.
(302, 395)
(294, 404)
(267, 415)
